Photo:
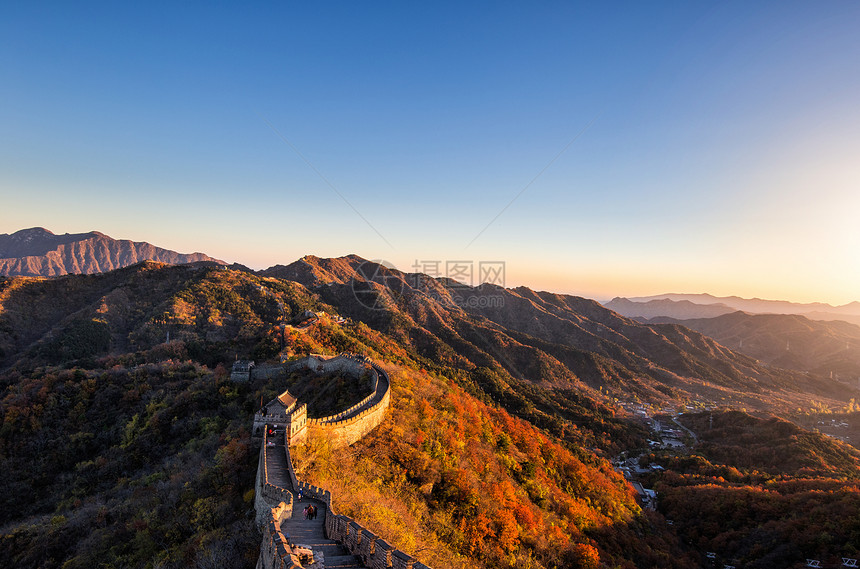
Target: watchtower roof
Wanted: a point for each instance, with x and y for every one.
(286, 399)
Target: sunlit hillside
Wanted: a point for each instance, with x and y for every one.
(123, 435)
(456, 479)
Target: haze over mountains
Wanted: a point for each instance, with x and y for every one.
(683, 306)
(665, 307)
(39, 252)
(557, 341)
(789, 341)
(813, 337)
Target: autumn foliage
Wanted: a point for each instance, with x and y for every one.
(763, 492)
(454, 479)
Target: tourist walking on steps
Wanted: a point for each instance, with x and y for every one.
(300, 494)
(306, 512)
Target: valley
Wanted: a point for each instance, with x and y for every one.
(515, 415)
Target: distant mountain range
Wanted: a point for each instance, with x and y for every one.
(553, 340)
(38, 252)
(664, 307)
(552, 350)
(559, 341)
(790, 341)
(687, 306)
(814, 337)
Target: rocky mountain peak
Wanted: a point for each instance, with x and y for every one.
(39, 252)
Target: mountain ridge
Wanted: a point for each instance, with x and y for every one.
(695, 306)
(39, 252)
(85, 371)
(758, 305)
(562, 339)
(664, 307)
(556, 348)
(792, 341)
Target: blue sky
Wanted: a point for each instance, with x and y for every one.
(631, 148)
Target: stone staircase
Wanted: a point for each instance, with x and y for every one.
(277, 468)
(342, 541)
(311, 533)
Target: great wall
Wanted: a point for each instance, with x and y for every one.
(289, 540)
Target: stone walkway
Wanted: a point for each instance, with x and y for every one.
(312, 533)
(276, 464)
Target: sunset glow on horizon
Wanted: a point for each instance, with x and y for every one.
(612, 150)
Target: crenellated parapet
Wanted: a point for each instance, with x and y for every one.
(270, 487)
(342, 429)
(275, 552)
(344, 362)
(346, 428)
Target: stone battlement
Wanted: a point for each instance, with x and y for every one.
(270, 490)
(275, 551)
(374, 552)
(342, 429)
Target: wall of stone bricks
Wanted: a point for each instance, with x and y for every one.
(342, 430)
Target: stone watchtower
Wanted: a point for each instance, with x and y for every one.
(241, 370)
(276, 413)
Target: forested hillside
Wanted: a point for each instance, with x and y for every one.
(762, 492)
(124, 444)
(468, 485)
(138, 452)
(142, 465)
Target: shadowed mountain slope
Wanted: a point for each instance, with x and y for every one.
(501, 398)
(787, 340)
(552, 340)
